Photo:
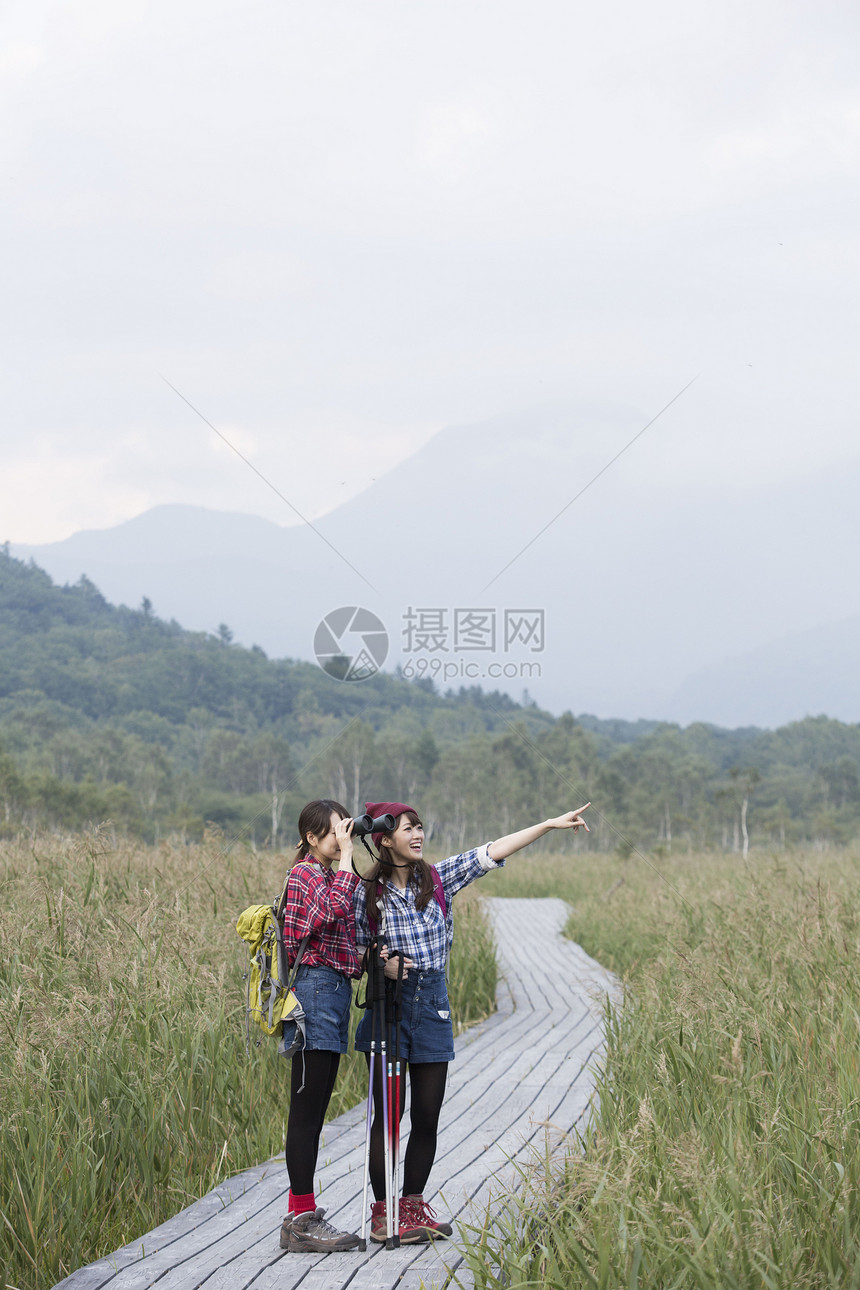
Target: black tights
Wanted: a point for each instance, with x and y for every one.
(307, 1114)
(427, 1082)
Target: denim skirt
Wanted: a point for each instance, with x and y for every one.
(426, 1033)
(326, 996)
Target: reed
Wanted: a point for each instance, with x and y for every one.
(125, 1088)
(723, 1149)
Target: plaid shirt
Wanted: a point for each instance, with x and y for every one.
(319, 902)
(424, 935)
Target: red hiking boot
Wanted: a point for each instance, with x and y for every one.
(418, 1222)
(378, 1222)
(411, 1231)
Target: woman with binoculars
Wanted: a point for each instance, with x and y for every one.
(319, 904)
(419, 930)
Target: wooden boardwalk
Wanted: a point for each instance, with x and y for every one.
(525, 1073)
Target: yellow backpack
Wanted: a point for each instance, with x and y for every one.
(270, 998)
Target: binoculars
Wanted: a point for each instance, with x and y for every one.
(364, 824)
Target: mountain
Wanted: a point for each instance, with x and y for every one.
(763, 687)
(640, 587)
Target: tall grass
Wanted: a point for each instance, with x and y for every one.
(725, 1148)
(125, 1088)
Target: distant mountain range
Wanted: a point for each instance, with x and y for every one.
(816, 669)
(658, 603)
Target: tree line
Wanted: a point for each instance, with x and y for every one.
(112, 713)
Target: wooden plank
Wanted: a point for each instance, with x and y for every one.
(436, 1273)
(325, 1270)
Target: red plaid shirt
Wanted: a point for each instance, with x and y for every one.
(319, 902)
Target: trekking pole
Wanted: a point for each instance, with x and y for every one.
(362, 1244)
(398, 1013)
(386, 1130)
(392, 1093)
(383, 1070)
(375, 987)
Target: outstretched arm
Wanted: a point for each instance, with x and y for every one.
(504, 847)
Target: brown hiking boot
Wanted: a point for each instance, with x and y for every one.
(310, 1233)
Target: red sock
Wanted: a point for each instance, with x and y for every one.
(301, 1204)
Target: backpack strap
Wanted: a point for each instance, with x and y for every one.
(300, 953)
(439, 891)
(287, 974)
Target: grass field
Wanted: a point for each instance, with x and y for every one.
(125, 1088)
(725, 1151)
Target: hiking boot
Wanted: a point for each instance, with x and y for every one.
(418, 1221)
(285, 1231)
(411, 1231)
(378, 1221)
(310, 1233)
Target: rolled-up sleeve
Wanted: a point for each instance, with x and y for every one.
(458, 871)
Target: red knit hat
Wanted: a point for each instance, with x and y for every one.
(375, 809)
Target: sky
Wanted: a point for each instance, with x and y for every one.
(339, 227)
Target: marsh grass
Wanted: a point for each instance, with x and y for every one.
(125, 1088)
(725, 1148)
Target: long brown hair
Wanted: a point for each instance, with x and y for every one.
(420, 870)
(316, 819)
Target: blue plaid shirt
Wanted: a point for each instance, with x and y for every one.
(424, 935)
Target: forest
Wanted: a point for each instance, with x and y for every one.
(110, 714)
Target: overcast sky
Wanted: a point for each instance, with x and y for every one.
(339, 227)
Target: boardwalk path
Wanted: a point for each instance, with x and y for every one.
(529, 1066)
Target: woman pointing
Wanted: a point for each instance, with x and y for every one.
(419, 927)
